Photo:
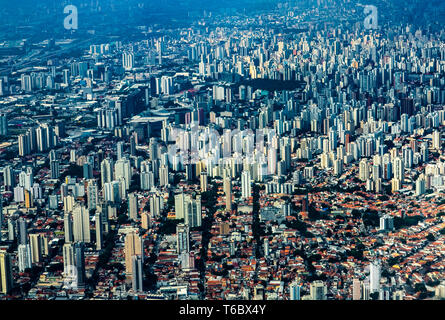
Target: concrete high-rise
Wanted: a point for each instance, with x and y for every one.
(228, 193)
(122, 170)
(81, 224)
(128, 60)
(295, 290)
(374, 276)
(192, 213)
(99, 224)
(68, 258)
(6, 279)
(24, 257)
(318, 290)
(68, 227)
(204, 181)
(79, 258)
(436, 140)
(180, 203)
(92, 194)
(356, 289)
(137, 276)
(182, 238)
(36, 241)
(133, 206)
(106, 171)
(23, 231)
(133, 247)
(399, 169)
(246, 185)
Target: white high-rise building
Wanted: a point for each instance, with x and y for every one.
(68, 258)
(99, 230)
(37, 243)
(133, 206)
(156, 205)
(92, 194)
(81, 224)
(147, 180)
(364, 170)
(399, 169)
(420, 185)
(73, 265)
(137, 272)
(386, 223)
(26, 82)
(163, 176)
(128, 60)
(318, 290)
(24, 145)
(356, 289)
(166, 85)
(365, 290)
(192, 214)
(8, 176)
(338, 167)
(180, 203)
(188, 209)
(26, 179)
(106, 171)
(68, 203)
(204, 181)
(24, 257)
(73, 156)
(374, 276)
(134, 246)
(228, 192)
(436, 140)
(295, 290)
(68, 227)
(113, 191)
(3, 124)
(246, 185)
(122, 170)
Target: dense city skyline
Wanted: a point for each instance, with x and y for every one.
(220, 150)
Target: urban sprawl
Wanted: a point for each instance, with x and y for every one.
(246, 155)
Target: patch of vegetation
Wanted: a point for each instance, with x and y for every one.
(407, 221)
(371, 218)
(169, 226)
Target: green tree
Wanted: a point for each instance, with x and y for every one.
(430, 237)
